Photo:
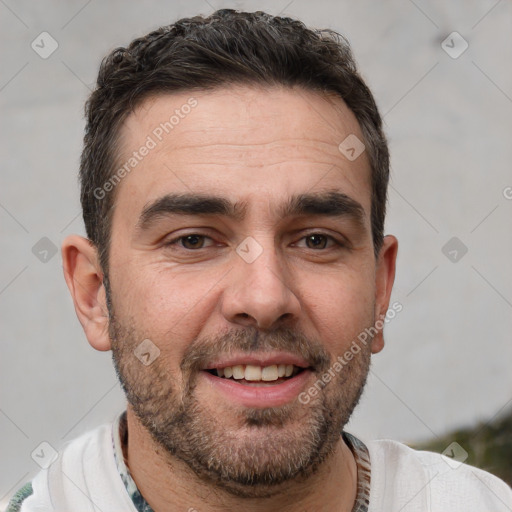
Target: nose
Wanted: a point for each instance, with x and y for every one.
(259, 293)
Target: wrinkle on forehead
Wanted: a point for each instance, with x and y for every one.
(290, 131)
(243, 111)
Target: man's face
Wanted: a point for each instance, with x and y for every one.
(213, 290)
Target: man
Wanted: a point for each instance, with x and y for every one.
(234, 178)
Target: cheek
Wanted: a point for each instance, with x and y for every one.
(340, 309)
(148, 292)
(168, 305)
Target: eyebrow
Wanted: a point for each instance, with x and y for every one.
(330, 203)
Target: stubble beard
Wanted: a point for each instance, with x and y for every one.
(264, 448)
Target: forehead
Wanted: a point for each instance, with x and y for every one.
(240, 142)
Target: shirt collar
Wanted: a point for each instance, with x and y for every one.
(120, 441)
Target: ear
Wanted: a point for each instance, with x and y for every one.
(84, 278)
(384, 279)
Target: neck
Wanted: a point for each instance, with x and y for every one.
(169, 485)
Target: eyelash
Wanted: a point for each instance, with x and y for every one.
(175, 241)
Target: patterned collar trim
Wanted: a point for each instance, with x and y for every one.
(358, 448)
(362, 457)
(120, 441)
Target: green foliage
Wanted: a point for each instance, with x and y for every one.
(489, 446)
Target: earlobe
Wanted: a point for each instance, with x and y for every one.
(84, 278)
(384, 279)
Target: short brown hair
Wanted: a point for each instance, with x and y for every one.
(204, 53)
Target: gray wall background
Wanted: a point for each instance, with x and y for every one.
(447, 359)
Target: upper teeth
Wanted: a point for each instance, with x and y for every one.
(255, 373)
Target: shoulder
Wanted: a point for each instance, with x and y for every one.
(91, 446)
(419, 480)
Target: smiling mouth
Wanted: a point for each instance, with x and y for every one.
(252, 375)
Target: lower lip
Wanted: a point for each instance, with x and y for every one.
(259, 396)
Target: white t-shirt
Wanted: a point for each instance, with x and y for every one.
(85, 478)
(406, 480)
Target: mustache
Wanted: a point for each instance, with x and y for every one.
(202, 350)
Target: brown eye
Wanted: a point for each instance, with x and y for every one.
(317, 241)
(322, 242)
(192, 241)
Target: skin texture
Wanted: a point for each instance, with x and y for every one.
(189, 444)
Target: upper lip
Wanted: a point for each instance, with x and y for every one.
(257, 359)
